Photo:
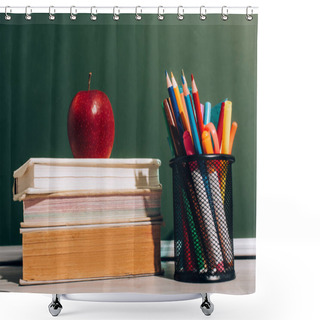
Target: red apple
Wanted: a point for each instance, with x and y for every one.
(91, 124)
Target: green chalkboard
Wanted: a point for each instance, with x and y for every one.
(44, 63)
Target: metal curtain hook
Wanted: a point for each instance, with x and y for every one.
(160, 15)
(6, 15)
(73, 13)
(203, 13)
(249, 16)
(116, 16)
(180, 13)
(52, 11)
(28, 13)
(224, 13)
(138, 16)
(93, 16)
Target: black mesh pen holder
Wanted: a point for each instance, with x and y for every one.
(203, 226)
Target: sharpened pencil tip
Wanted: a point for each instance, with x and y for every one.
(182, 72)
(172, 75)
(192, 77)
(182, 79)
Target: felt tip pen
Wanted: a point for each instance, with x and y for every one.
(206, 143)
(188, 145)
(211, 128)
(207, 113)
(233, 131)
(220, 123)
(226, 127)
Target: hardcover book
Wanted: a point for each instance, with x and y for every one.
(47, 175)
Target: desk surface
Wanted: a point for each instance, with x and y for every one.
(11, 272)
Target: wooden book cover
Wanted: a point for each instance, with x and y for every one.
(90, 252)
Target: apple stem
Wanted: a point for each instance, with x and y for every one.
(89, 80)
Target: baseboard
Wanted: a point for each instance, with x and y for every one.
(242, 247)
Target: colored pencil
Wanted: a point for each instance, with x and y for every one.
(182, 100)
(183, 114)
(185, 83)
(193, 125)
(196, 100)
(176, 139)
(174, 105)
(168, 130)
(170, 105)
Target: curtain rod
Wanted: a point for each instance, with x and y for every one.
(138, 10)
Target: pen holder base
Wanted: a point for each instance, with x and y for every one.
(203, 224)
(203, 278)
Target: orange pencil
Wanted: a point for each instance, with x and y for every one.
(182, 112)
(183, 102)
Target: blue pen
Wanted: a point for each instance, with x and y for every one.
(207, 113)
(193, 125)
(174, 105)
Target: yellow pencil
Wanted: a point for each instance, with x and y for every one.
(226, 127)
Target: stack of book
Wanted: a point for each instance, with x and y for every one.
(86, 219)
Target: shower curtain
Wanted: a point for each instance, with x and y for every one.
(45, 62)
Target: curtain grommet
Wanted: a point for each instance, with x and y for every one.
(138, 16)
(73, 13)
(7, 10)
(224, 13)
(180, 13)
(93, 16)
(28, 13)
(160, 15)
(249, 16)
(52, 12)
(116, 15)
(203, 13)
